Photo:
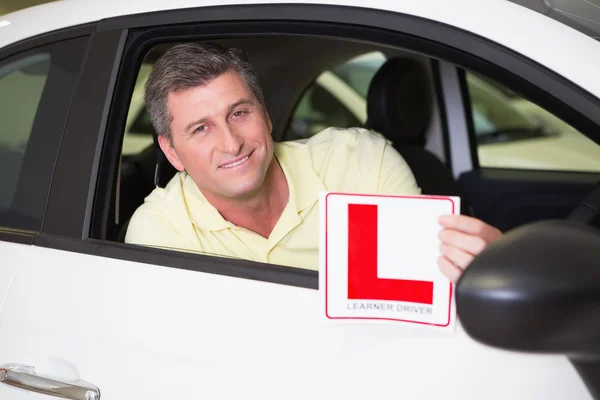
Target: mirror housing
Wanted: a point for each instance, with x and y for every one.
(537, 289)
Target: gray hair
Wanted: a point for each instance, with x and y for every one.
(189, 65)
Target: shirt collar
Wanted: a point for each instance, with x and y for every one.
(303, 182)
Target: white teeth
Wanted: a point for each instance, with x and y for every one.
(235, 163)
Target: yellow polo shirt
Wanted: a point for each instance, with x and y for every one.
(346, 160)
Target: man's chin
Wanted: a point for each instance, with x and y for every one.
(242, 191)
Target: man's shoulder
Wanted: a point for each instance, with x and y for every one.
(163, 200)
(338, 144)
(159, 215)
(340, 136)
(343, 159)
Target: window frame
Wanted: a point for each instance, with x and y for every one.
(46, 146)
(109, 76)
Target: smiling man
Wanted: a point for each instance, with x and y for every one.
(238, 193)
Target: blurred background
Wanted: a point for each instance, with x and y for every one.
(7, 6)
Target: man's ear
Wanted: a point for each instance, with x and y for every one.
(267, 118)
(170, 153)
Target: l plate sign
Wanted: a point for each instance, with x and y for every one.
(378, 258)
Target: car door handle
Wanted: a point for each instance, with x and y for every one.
(24, 377)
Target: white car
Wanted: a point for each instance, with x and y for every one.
(84, 316)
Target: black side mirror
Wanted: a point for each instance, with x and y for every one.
(538, 290)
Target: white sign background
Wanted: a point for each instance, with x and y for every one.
(407, 248)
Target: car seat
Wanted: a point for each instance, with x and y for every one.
(399, 107)
(140, 174)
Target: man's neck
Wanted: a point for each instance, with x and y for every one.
(260, 211)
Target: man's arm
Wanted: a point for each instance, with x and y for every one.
(149, 227)
(395, 176)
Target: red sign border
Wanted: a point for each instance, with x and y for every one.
(327, 258)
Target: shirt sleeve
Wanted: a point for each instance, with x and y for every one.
(395, 176)
(149, 227)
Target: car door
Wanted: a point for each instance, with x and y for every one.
(152, 323)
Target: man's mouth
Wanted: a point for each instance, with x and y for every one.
(237, 162)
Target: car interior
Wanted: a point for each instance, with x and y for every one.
(143, 170)
(402, 103)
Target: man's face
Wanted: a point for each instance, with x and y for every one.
(221, 137)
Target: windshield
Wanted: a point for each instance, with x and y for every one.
(495, 116)
(359, 71)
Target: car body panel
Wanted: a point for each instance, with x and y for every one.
(145, 331)
(520, 29)
(12, 254)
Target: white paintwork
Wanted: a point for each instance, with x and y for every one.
(12, 254)
(140, 331)
(550, 43)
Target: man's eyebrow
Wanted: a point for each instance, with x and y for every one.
(196, 122)
(239, 103)
(229, 110)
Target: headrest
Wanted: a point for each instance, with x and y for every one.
(163, 170)
(398, 101)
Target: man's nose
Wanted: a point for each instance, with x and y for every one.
(232, 141)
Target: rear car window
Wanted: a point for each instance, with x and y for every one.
(35, 95)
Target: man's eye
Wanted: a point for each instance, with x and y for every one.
(200, 129)
(238, 114)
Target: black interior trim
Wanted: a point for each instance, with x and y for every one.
(508, 198)
(234, 268)
(536, 176)
(466, 99)
(17, 236)
(439, 95)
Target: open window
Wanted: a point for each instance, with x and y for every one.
(308, 87)
(316, 78)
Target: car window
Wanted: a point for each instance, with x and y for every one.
(336, 97)
(359, 71)
(512, 132)
(34, 102)
(317, 110)
(21, 86)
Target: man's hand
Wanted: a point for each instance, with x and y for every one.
(462, 239)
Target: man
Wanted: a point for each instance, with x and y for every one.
(238, 193)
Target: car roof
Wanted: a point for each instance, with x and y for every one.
(565, 50)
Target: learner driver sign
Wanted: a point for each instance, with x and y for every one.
(378, 259)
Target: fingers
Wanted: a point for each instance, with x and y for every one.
(471, 226)
(451, 271)
(463, 241)
(456, 256)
